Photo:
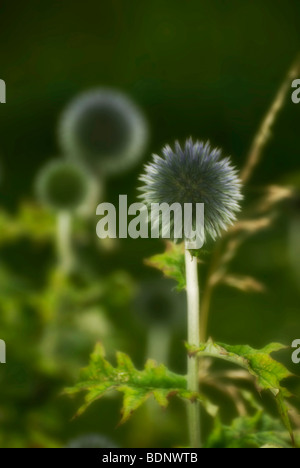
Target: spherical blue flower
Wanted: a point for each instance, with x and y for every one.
(62, 185)
(105, 130)
(194, 173)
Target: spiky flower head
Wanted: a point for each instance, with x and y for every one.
(62, 185)
(194, 173)
(105, 130)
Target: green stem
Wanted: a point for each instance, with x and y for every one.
(64, 244)
(192, 290)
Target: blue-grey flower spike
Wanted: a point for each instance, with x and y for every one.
(195, 173)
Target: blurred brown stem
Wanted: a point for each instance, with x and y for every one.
(264, 131)
(254, 156)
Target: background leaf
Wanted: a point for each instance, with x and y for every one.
(267, 372)
(258, 431)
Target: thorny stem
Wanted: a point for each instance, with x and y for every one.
(254, 156)
(192, 290)
(64, 246)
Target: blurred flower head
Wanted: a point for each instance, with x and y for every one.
(62, 185)
(194, 173)
(105, 130)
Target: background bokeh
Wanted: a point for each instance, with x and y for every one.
(196, 68)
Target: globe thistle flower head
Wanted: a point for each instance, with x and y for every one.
(194, 173)
(105, 130)
(62, 185)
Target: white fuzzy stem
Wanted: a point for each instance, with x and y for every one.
(192, 290)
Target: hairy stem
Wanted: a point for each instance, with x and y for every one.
(192, 290)
(64, 245)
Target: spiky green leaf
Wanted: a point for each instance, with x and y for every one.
(268, 373)
(171, 263)
(137, 386)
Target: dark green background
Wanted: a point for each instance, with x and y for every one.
(207, 69)
(203, 68)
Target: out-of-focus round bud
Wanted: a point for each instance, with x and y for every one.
(105, 130)
(62, 185)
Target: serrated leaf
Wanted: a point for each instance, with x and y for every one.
(137, 386)
(171, 263)
(267, 372)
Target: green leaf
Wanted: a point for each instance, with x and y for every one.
(267, 372)
(258, 431)
(137, 386)
(171, 263)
